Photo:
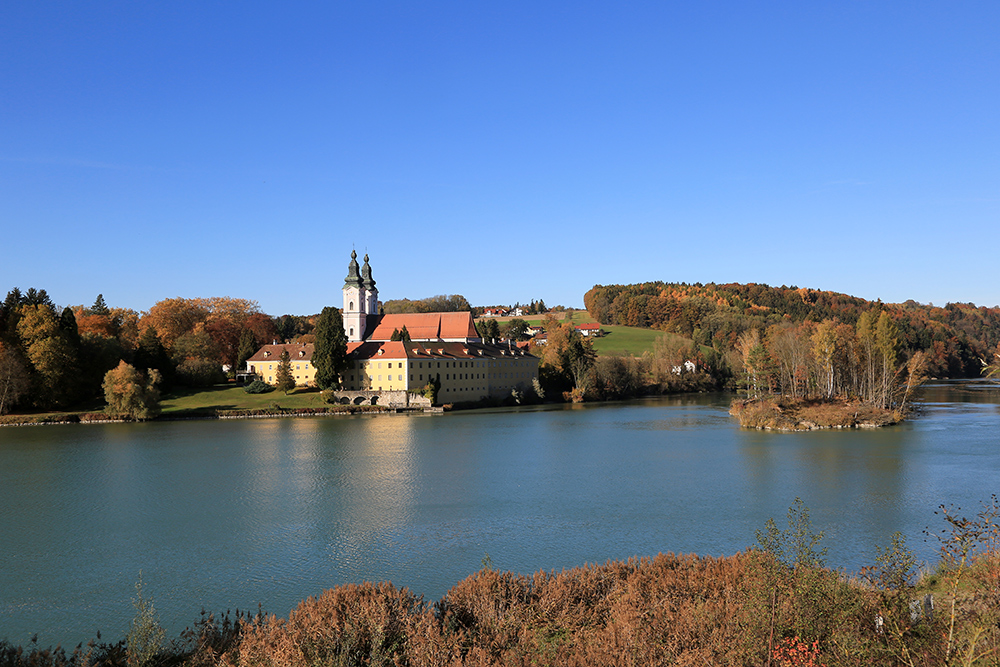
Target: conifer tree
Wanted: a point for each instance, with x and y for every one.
(100, 307)
(247, 348)
(330, 349)
(284, 379)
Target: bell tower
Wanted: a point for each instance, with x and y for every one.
(354, 301)
(368, 289)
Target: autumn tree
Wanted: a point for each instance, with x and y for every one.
(172, 318)
(824, 341)
(14, 379)
(330, 348)
(992, 370)
(284, 378)
(131, 393)
(51, 352)
(567, 356)
(887, 349)
(789, 346)
(670, 351)
(756, 363)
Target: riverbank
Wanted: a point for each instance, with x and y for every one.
(746, 609)
(800, 414)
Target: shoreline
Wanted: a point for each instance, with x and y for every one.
(801, 414)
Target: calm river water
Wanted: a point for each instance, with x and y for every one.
(231, 514)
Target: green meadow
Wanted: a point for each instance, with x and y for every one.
(619, 341)
(228, 397)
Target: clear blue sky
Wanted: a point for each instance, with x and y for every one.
(504, 151)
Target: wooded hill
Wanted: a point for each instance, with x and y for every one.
(957, 338)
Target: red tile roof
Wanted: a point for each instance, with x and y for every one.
(424, 326)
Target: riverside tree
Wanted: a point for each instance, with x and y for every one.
(132, 393)
(14, 380)
(330, 349)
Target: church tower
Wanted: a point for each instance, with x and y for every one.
(368, 286)
(354, 308)
(360, 298)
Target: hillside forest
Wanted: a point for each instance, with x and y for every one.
(796, 342)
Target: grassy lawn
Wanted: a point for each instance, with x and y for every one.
(618, 341)
(226, 397)
(626, 340)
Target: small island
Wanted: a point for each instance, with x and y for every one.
(810, 414)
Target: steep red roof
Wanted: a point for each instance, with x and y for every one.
(424, 326)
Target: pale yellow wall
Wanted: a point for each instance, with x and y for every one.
(303, 371)
(461, 379)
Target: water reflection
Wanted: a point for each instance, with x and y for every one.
(229, 514)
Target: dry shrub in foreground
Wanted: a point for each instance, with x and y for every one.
(667, 610)
(348, 625)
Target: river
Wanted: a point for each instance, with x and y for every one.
(235, 514)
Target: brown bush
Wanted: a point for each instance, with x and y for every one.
(348, 625)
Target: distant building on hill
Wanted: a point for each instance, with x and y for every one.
(442, 346)
(590, 329)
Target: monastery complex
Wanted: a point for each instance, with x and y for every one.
(444, 346)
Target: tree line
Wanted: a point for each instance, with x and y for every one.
(956, 340)
(54, 357)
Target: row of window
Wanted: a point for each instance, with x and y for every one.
(447, 364)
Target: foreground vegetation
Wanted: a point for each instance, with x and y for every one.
(775, 604)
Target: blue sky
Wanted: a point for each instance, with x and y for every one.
(503, 151)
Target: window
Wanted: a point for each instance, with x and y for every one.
(390, 364)
(400, 378)
(379, 378)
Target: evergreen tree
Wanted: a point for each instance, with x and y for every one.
(330, 349)
(404, 335)
(151, 354)
(99, 307)
(247, 347)
(284, 379)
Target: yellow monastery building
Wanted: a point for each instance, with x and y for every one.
(445, 346)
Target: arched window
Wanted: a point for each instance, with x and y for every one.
(352, 331)
(351, 307)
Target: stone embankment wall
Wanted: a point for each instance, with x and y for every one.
(389, 399)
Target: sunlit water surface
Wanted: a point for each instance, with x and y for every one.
(235, 514)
